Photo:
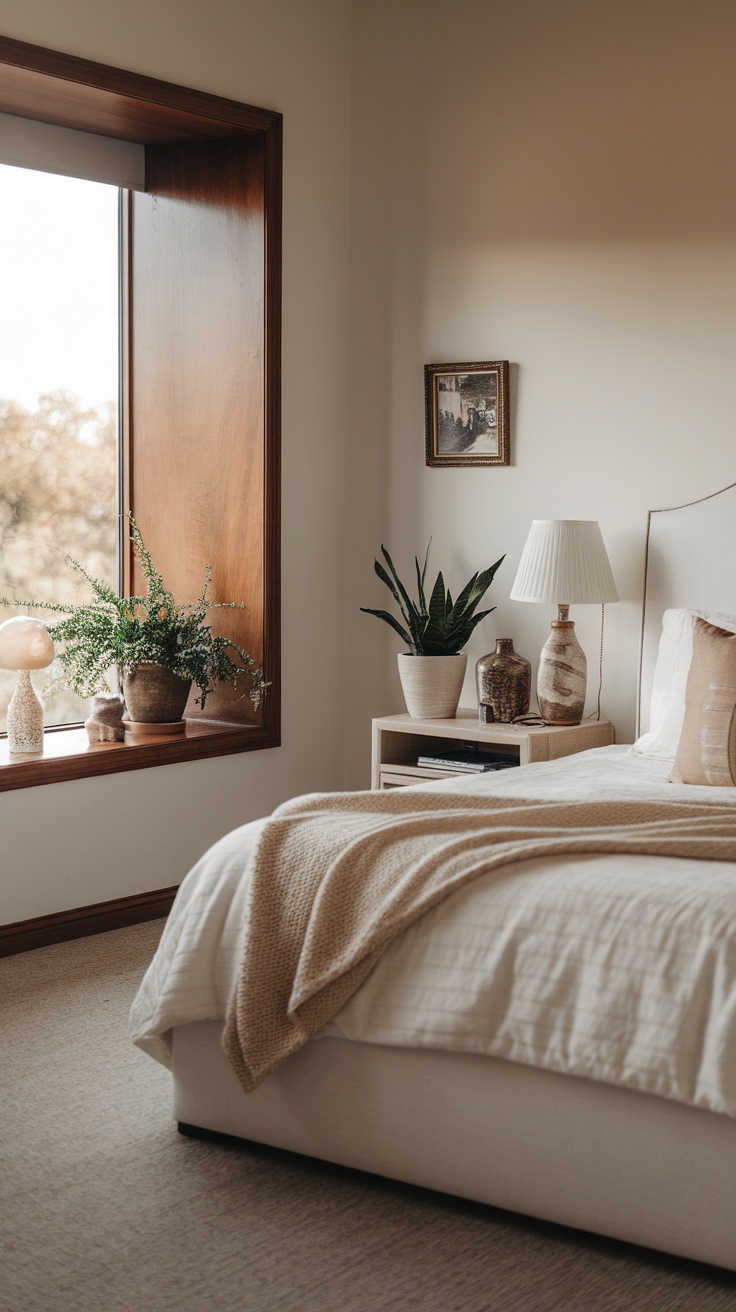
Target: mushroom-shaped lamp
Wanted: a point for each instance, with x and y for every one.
(25, 645)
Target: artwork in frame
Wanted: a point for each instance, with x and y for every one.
(467, 413)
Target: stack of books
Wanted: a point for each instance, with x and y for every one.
(467, 759)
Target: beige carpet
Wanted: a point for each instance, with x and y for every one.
(105, 1208)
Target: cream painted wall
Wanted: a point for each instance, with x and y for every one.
(554, 185)
(73, 844)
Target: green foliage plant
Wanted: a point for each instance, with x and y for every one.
(124, 632)
(440, 627)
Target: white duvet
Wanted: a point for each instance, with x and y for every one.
(619, 969)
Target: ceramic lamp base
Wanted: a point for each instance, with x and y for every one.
(562, 676)
(25, 719)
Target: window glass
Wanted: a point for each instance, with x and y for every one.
(59, 350)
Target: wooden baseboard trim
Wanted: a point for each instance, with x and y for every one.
(63, 926)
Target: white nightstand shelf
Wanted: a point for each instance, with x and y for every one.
(398, 740)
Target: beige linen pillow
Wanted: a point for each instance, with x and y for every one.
(667, 702)
(706, 752)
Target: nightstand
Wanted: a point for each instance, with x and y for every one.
(398, 740)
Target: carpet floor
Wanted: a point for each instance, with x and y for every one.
(104, 1207)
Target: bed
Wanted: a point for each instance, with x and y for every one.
(645, 1153)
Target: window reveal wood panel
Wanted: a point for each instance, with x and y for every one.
(197, 384)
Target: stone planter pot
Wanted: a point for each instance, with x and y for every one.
(153, 695)
(432, 684)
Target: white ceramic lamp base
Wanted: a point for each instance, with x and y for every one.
(25, 719)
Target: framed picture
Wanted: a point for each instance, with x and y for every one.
(467, 413)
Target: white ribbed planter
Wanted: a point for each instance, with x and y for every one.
(432, 684)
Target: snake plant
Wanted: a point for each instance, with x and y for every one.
(439, 627)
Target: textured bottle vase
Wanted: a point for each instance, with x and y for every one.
(25, 719)
(562, 676)
(503, 680)
(153, 695)
(432, 684)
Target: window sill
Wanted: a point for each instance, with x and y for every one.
(67, 753)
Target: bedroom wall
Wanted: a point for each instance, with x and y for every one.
(72, 844)
(553, 185)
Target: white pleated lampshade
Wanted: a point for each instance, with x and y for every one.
(565, 561)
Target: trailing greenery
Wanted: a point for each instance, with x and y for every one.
(442, 627)
(123, 632)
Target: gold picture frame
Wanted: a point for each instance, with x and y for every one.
(467, 413)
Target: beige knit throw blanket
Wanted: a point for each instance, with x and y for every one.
(336, 877)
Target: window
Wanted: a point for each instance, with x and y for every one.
(201, 362)
(59, 351)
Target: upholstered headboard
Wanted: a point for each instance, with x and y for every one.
(690, 562)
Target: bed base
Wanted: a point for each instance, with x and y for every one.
(586, 1155)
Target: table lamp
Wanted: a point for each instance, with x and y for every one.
(25, 645)
(563, 561)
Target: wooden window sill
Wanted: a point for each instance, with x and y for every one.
(67, 753)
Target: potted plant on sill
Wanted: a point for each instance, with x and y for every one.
(432, 672)
(158, 648)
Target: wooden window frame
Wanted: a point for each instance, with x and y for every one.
(191, 138)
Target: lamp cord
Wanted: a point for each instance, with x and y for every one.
(600, 667)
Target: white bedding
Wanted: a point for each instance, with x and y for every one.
(619, 969)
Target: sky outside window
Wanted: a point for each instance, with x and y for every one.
(58, 393)
(58, 287)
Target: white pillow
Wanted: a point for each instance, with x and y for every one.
(667, 705)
